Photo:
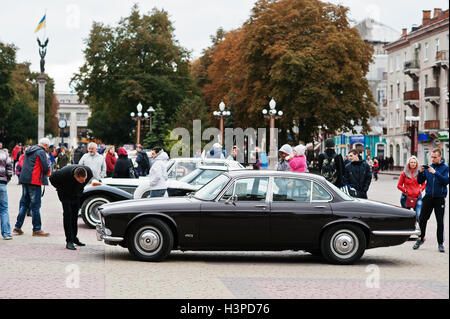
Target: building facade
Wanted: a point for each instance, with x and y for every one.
(373, 144)
(76, 114)
(417, 90)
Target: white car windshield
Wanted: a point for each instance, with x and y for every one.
(200, 176)
(211, 189)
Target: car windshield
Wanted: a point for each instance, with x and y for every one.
(210, 190)
(338, 191)
(200, 176)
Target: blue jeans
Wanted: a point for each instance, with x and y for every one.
(157, 193)
(418, 205)
(4, 215)
(31, 200)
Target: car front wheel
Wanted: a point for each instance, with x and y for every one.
(150, 239)
(343, 244)
(89, 209)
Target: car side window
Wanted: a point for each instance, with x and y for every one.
(251, 189)
(291, 190)
(319, 193)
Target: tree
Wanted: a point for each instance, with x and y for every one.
(19, 100)
(304, 54)
(159, 134)
(7, 66)
(138, 61)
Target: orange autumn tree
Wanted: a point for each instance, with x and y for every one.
(305, 55)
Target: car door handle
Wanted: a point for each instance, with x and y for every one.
(320, 207)
(261, 206)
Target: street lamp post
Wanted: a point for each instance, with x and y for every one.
(221, 114)
(137, 117)
(150, 111)
(272, 114)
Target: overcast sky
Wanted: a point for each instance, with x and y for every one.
(69, 23)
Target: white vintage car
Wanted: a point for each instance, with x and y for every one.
(183, 179)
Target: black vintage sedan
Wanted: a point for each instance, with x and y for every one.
(257, 210)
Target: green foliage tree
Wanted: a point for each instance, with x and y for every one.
(138, 61)
(19, 100)
(7, 66)
(159, 135)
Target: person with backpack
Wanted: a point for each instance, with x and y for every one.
(142, 161)
(331, 164)
(357, 175)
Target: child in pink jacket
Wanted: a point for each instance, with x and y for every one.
(298, 162)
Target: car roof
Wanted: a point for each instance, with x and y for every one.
(274, 173)
(218, 168)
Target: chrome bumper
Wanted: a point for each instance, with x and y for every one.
(396, 232)
(101, 235)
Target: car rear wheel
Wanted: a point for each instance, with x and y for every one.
(343, 244)
(150, 239)
(89, 209)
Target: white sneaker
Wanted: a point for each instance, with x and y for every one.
(7, 238)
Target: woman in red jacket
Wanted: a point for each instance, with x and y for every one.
(409, 186)
(110, 160)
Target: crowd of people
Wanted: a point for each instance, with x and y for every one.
(70, 171)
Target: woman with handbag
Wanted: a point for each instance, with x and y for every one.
(411, 189)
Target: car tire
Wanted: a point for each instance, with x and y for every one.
(150, 239)
(89, 209)
(343, 244)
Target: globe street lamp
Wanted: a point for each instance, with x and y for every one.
(221, 114)
(137, 117)
(272, 114)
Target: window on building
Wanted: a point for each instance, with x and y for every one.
(397, 122)
(425, 113)
(65, 116)
(426, 80)
(437, 46)
(392, 92)
(426, 51)
(397, 62)
(82, 116)
(398, 90)
(405, 56)
(404, 87)
(391, 119)
(391, 64)
(404, 116)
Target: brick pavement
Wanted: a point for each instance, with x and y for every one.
(33, 267)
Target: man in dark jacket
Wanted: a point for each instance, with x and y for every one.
(69, 183)
(34, 174)
(142, 161)
(357, 174)
(436, 176)
(331, 164)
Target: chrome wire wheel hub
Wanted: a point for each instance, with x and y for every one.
(148, 240)
(344, 243)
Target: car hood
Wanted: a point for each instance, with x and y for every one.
(150, 204)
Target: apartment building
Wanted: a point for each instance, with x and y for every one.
(417, 90)
(76, 115)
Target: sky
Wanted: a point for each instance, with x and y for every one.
(69, 23)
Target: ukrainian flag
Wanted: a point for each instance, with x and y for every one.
(41, 24)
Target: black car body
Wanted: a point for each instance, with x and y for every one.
(257, 210)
